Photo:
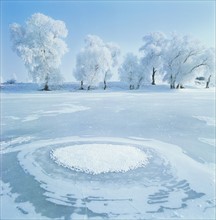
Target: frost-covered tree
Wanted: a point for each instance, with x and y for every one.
(88, 70)
(40, 45)
(129, 70)
(80, 71)
(208, 71)
(184, 57)
(152, 50)
(90, 62)
(95, 61)
(114, 49)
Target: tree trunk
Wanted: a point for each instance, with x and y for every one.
(179, 86)
(81, 85)
(105, 85)
(46, 88)
(139, 83)
(131, 87)
(208, 81)
(172, 82)
(153, 76)
(172, 85)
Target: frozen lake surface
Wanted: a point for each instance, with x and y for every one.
(147, 154)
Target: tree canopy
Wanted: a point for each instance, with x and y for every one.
(40, 45)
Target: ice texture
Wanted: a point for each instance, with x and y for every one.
(172, 129)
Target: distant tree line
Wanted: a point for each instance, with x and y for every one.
(176, 59)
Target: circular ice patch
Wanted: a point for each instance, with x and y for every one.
(100, 158)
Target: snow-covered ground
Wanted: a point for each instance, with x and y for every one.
(118, 154)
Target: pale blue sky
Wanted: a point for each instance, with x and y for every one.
(123, 22)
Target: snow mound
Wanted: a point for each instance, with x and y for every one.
(100, 158)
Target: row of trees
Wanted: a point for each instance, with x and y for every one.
(174, 58)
